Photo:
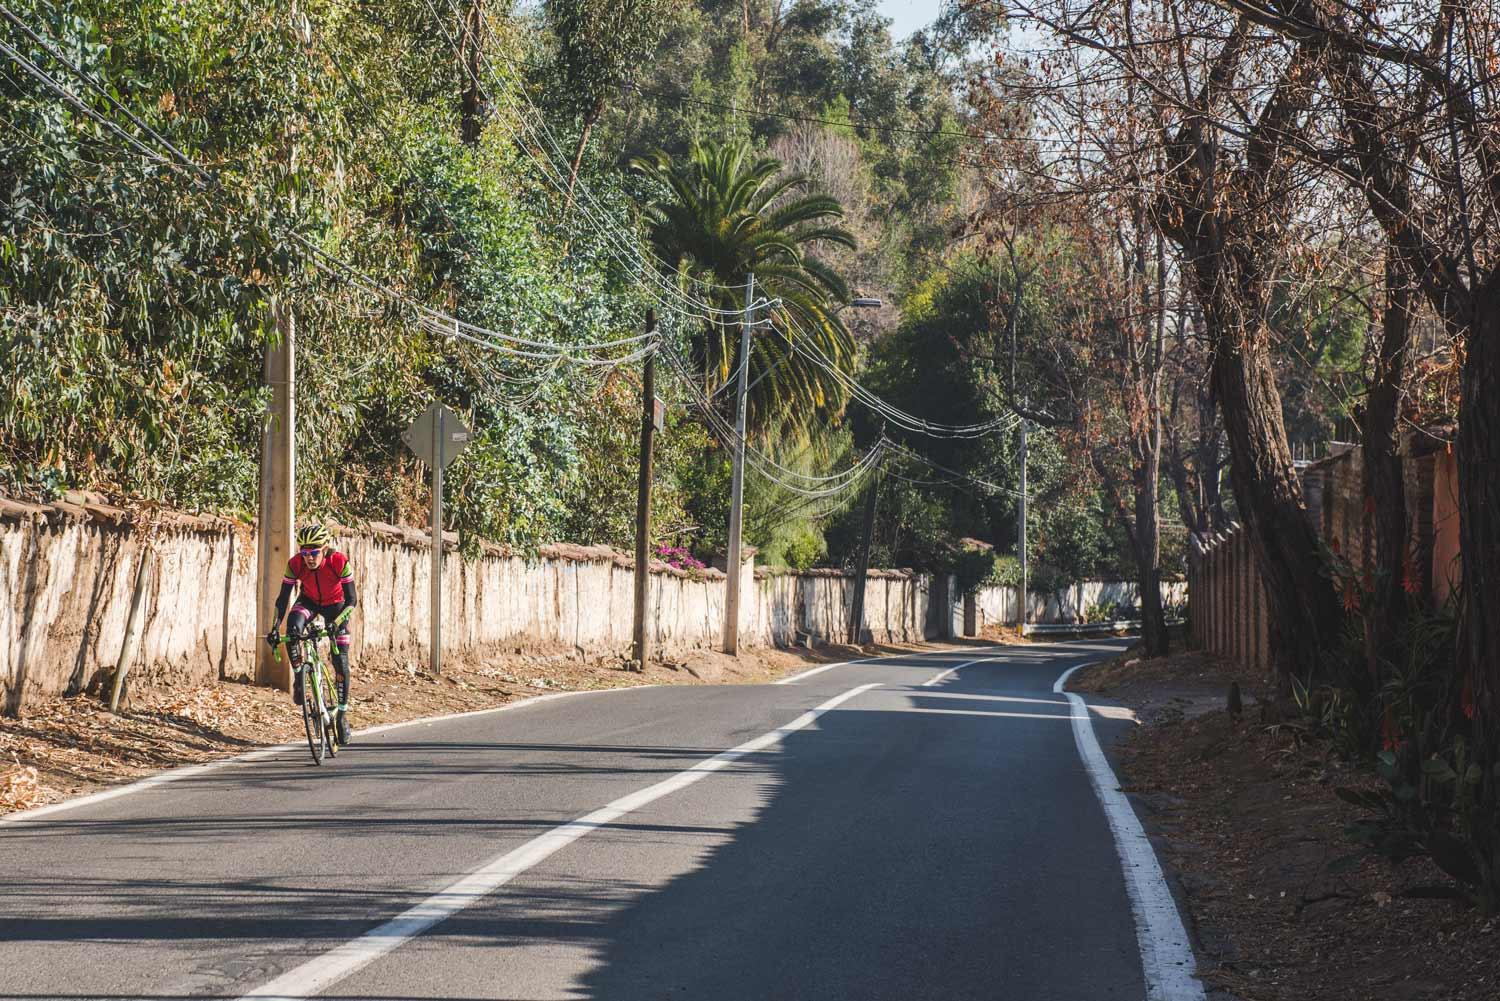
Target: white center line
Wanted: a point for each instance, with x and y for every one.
(870, 660)
(317, 974)
(954, 670)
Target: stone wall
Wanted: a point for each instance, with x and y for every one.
(999, 605)
(68, 572)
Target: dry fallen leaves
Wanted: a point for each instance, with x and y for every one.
(20, 789)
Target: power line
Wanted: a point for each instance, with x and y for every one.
(433, 320)
(582, 194)
(895, 415)
(87, 78)
(48, 81)
(908, 453)
(810, 486)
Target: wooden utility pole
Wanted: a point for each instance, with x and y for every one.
(737, 482)
(640, 644)
(278, 488)
(862, 566)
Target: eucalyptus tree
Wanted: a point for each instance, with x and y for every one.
(724, 213)
(599, 42)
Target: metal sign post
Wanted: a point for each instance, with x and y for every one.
(437, 438)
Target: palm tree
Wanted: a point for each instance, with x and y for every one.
(724, 213)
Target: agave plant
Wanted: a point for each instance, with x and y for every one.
(723, 213)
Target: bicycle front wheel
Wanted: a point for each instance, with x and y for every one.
(312, 721)
(330, 718)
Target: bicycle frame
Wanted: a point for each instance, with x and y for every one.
(315, 693)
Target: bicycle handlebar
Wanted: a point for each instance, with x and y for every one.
(311, 632)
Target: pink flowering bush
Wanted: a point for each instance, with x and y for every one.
(678, 558)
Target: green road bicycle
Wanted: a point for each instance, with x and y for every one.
(319, 706)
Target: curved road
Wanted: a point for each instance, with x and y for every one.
(934, 836)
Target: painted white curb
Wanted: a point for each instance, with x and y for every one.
(1167, 960)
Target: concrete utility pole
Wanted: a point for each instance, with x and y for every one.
(435, 637)
(278, 488)
(862, 566)
(1021, 537)
(640, 642)
(737, 482)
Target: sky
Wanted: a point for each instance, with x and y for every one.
(909, 15)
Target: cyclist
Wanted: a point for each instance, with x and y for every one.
(327, 589)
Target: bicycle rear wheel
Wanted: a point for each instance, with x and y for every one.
(312, 719)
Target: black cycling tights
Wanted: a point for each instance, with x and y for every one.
(301, 612)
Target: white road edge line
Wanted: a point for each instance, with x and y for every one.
(315, 975)
(954, 670)
(191, 771)
(1167, 960)
(869, 660)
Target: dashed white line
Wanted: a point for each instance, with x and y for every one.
(868, 660)
(954, 670)
(317, 974)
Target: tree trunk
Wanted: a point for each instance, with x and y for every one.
(1304, 614)
(1384, 479)
(472, 55)
(1210, 466)
(583, 140)
(1477, 449)
(1147, 474)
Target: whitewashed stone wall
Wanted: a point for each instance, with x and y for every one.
(997, 605)
(67, 573)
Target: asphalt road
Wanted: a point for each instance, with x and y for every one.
(915, 841)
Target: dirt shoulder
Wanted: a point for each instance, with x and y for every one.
(1247, 819)
(69, 747)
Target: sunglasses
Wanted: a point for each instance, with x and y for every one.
(310, 553)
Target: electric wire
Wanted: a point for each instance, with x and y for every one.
(583, 197)
(803, 484)
(806, 485)
(902, 419)
(434, 320)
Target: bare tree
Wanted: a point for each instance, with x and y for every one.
(1419, 137)
(1179, 107)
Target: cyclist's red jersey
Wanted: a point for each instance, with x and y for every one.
(325, 585)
